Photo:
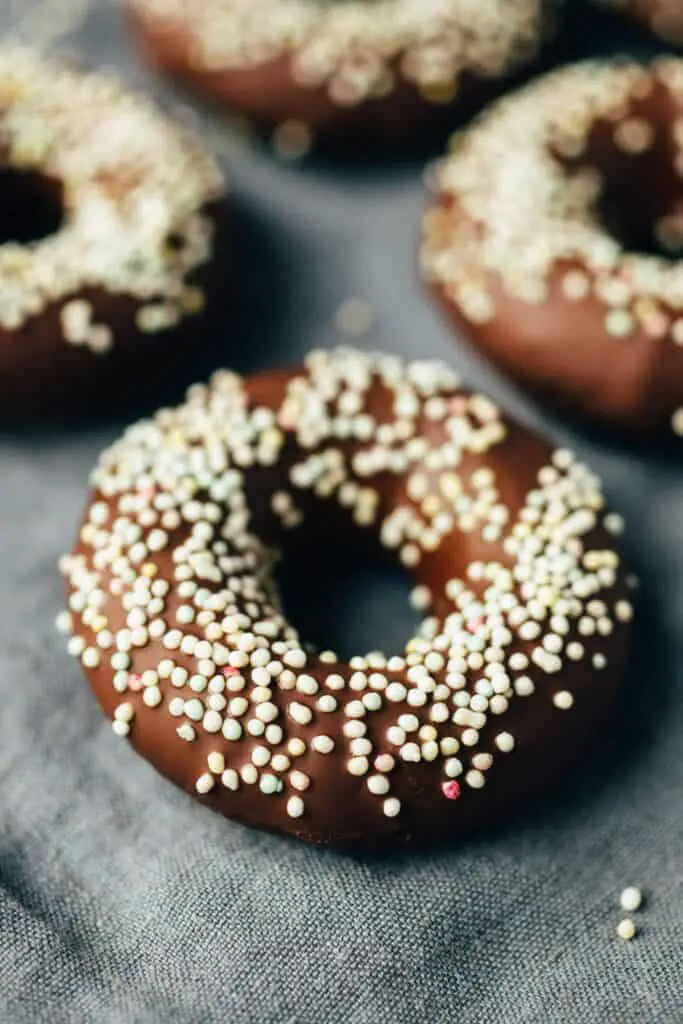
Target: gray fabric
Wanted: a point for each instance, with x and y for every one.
(123, 901)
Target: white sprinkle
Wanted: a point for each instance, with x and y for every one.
(260, 756)
(212, 722)
(216, 762)
(563, 700)
(384, 763)
(449, 745)
(152, 697)
(354, 709)
(232, 730)
(194, 709)
(410, 752)
(307, 684)
(378, 785)
(230, 779)
(505, 742)
(124, 712)
(299, 713)
(372, 701)
(295, 658)
(299, 781)
(270, 784)
(205, 783)
(396, 693)
(295, 807)
(323, 744)
(524, 686)
(626, 929)
(391, 807)
(396, 736)
(409, 723)
(91, 657)
(358, 765)
(631, 898)
(266, 712)
(453, 768)
(475, 779)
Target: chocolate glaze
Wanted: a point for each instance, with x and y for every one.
(44, 379)
(268, 95)
(559, 348)
(112, 228)
(339, 808)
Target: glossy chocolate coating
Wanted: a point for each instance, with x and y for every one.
(562, 347)
(339, 809)
(44, 379)
(268, 94)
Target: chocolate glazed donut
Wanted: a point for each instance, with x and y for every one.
(555, 237)
(381, 73)
(175, 616)
(113, 237)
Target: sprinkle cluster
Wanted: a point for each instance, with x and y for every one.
(525, 194)
(356, 48)
(172, 596)
(135, 191)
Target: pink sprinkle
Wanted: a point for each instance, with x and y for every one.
(230, 671)
(135, 683)
(451, 790)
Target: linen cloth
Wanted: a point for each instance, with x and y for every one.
(124, 902)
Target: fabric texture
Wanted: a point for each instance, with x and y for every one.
(124, 902)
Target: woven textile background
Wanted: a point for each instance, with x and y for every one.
(123, 901)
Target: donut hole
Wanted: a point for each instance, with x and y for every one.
(637, 165)
(31, 206)
(347, 597)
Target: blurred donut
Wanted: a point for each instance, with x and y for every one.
(376, 70)
(110, 220)
(555, 237)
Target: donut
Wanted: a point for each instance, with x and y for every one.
(554, 238)
(663, 17)
(381, 71)
(109, 233)
(175, 616)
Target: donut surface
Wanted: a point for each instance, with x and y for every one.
(377, 68)
(175, 616)
(108, 225)
(663, 17)
(555, 235)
